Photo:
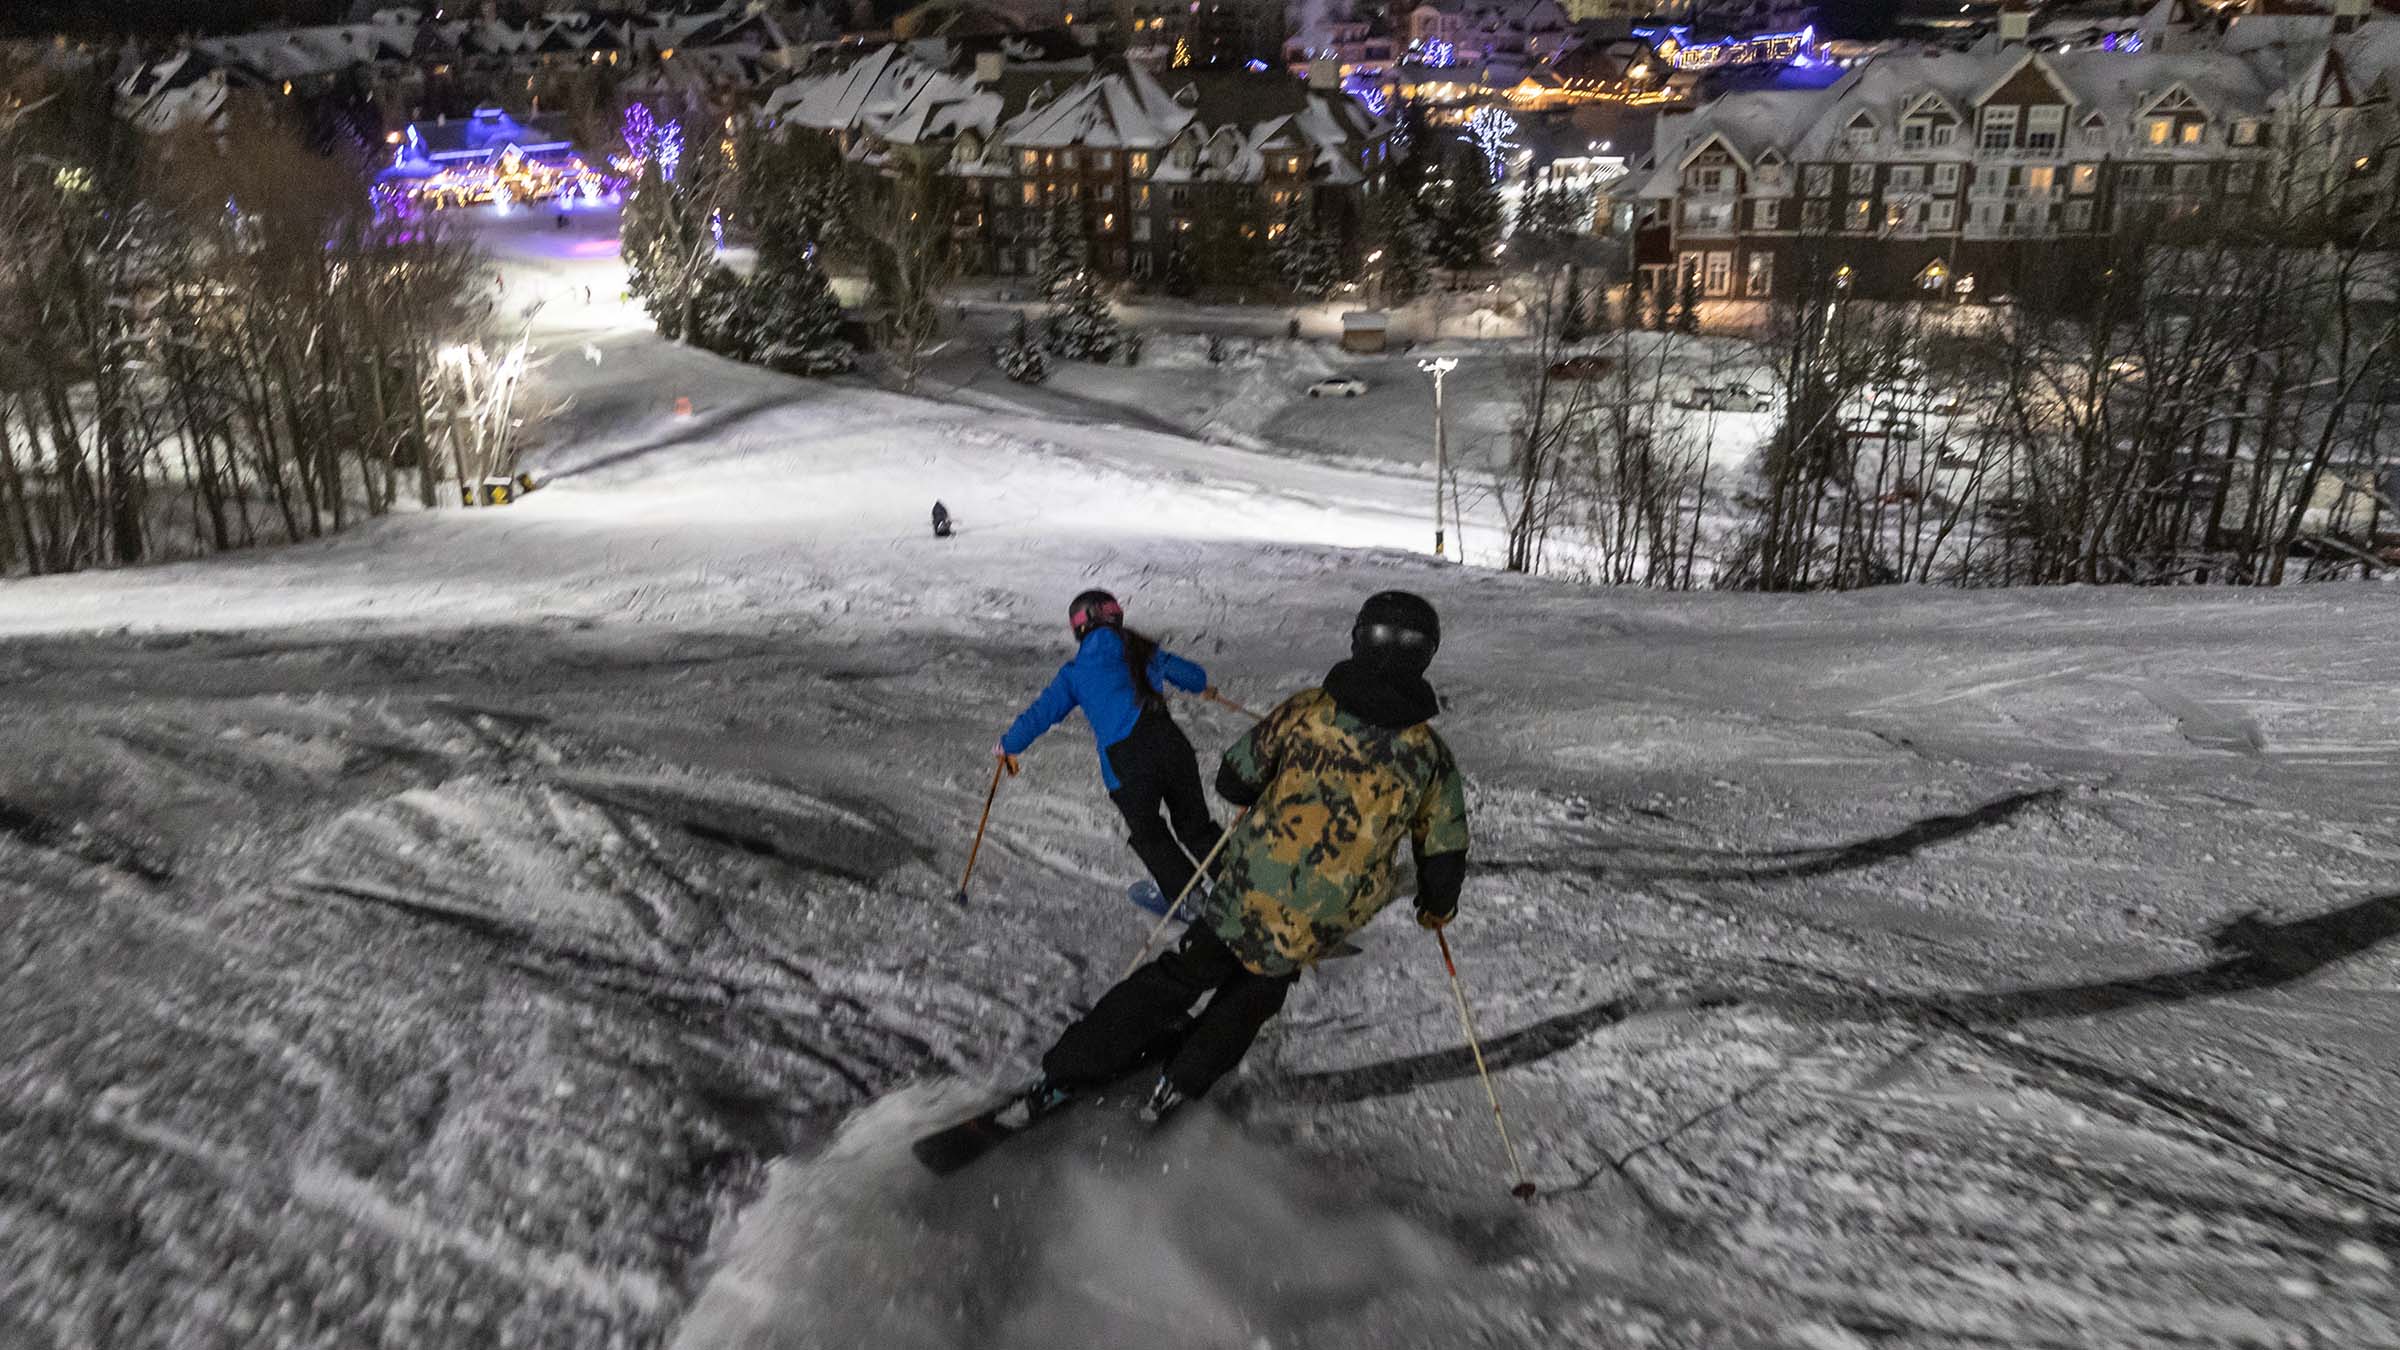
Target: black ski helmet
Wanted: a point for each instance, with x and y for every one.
(1396, 632)
(1094, 609)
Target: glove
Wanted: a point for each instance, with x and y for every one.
(1007, 761)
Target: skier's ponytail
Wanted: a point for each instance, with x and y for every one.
(1140, 651)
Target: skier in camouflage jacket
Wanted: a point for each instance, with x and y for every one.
(1333, 780)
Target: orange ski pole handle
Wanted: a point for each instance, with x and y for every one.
(1002, 764)
(1523, 1190)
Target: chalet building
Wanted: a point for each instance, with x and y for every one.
(412, 64)
(1975, 174)
(1198, 157)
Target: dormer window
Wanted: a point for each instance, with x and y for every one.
(1999, 130)
(2245, 132)
(2095, 130)
(1914, 133)
(1861, 133)
(1188, 96)
(2045, 125)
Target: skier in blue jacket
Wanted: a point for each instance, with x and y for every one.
(1119, 679)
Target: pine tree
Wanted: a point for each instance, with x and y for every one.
(1180, 277)
(1400, 235)
(1082, 328)
(1570, 318)
(719, 322)
(798, 320)
(1662, 302)
(1467, 224)
(1687, 302)
(1306, 260)
(1062, 254)
(1021, 358)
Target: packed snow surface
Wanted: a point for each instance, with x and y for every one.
(533, 928)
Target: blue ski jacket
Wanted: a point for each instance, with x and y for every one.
(1098, 682)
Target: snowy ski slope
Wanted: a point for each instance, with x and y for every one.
(530, 928)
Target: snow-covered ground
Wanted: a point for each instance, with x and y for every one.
(531, 927)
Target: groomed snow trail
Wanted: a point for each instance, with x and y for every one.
(530, 928)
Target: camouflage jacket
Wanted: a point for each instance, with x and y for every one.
(1311, 862)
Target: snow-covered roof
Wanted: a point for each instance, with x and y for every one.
(2251, 74)
(718, 42)
(898, 96)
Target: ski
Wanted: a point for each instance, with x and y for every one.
(949, 1150)
(956, 1147)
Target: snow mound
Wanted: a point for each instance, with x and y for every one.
(1092, 1233)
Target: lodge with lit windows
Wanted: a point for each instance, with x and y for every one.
(1979, 174)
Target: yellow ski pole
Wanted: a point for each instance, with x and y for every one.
(1523, 1190)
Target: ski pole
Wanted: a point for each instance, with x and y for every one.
(1219, 699)
(1523, 1190)
(999, 766)
(1177, 902)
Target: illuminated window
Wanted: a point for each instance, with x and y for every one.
(1137, 163)
(2190, 132)
(2085, 179)
(2160, 130)
(1860, 215)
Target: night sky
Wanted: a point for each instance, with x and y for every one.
(21, 18)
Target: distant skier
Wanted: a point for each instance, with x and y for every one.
(1335, 779)
(941, 521)
(1118, 678)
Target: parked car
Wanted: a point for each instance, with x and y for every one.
(1731, 397)
(1583, 368)
(1338, 386)
(1916, 397)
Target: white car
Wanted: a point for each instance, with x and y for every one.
(1339, 386)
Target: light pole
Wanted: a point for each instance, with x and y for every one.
(1437, 367)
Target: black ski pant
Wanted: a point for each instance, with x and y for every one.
(1156, 767)
(1109, 1040)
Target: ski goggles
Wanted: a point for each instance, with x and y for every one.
(1393, 635)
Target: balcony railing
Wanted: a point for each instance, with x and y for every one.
(2013, 229)
(2018, 154)
(1997, 192)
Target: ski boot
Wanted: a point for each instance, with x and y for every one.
(1032, 1104)
(1165, 1100)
